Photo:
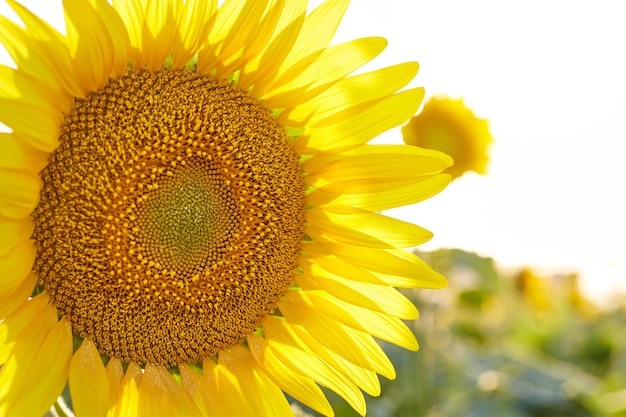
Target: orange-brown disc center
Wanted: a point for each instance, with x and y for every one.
(171, 216)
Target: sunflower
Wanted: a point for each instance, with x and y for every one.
(189, 210)
(449, 126)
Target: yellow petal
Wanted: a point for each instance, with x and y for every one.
(14, 232)
(11, 301)
(89, 382)
(14, 324)
(308, 79)
(329, 333)
(318, 30)
(339, 131)
(19, 155)
(19, 193)
(289, 350)
(234, 393)
(261, 71)
(39, 126)
(238, 31)
(211, 374)
(381, 298)
(363, 228)
(253, 28)
(161, 395)
(228, 16)
(119, 36)
(202, 390)
(408, 269)
(158, 32)
(256, 44)
(27, 340)
(374, 162)
(21, 86)
(98, 41)
(346, 342)
(49, 369)
(380, 325)
(127, 399)
(381, 194)
(40, 51)
(16, 265)
(264, 31)
(264, 396)
(132, 13)
(363, 378)
(323, 264)
(349, 93)
(195, 23)
(41, 367)
(301, 44)
(300, 387)
(115, 374)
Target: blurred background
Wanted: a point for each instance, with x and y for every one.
(532, 323)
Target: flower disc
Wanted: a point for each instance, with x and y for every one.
(171, 216)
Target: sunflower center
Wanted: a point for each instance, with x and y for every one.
(171, 217)
(182, 218)
(180, 222)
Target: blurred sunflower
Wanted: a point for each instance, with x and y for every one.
(188, 210)
(535, 290)
(449, 126)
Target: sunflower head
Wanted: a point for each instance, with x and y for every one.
(449, 126)
(190, 209)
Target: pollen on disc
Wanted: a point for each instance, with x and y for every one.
(171, 216)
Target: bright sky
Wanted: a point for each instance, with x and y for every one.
(551, 77)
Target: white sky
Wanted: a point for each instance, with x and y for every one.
(551, 77)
